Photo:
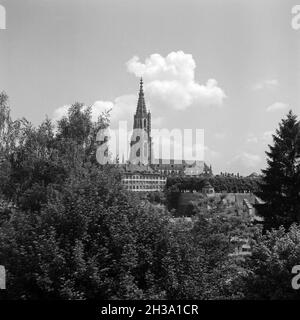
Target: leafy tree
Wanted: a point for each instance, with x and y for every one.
(172, 196)
(91, 240)
(197, 263)
(68, 229)
(37, 159)
(219, 183)
(269, 269)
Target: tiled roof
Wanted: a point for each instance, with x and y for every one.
(189, 163)
(131, 168)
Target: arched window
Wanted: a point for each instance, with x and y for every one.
(145, 149)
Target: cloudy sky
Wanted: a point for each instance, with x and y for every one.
(229, 67)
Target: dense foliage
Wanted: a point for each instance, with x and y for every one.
(68, 230)
(269, 270)
(219, 183)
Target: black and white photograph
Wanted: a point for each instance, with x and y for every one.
(149, 151)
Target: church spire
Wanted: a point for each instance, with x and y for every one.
(141, 106)
(142, 120)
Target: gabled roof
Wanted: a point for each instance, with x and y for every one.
(253, 175)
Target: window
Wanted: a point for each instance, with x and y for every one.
(145, 149)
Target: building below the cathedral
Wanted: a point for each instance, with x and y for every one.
(142, 178)
(142, 172)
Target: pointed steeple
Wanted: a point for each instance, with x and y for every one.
(141, 120)
(141, 106)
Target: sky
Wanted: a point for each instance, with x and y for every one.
(229, 67)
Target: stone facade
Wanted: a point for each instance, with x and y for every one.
(141, 178)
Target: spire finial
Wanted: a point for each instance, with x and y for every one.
(141, 83)
(141, 107)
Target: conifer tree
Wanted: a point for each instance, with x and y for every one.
(280, 187)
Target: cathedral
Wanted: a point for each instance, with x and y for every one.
(141, 147)
(144, 173)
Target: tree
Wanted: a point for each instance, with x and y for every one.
(269, 269)
(90, 240)
(280, 187)
(172, 196)
(12, 133)
(68, 229)
(197, 262)
(12, 136)
(37, 160)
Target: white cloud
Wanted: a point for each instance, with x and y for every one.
(266, 84)
(99, 107)
(170, 81)
(277, 106)
(60, 112)
(122, 109)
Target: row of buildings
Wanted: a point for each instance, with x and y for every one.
(141, 178)
(145, 178)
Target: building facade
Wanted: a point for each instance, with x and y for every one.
(142, 178)
(171, 167)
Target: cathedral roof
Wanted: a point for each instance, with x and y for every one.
(136, 168)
